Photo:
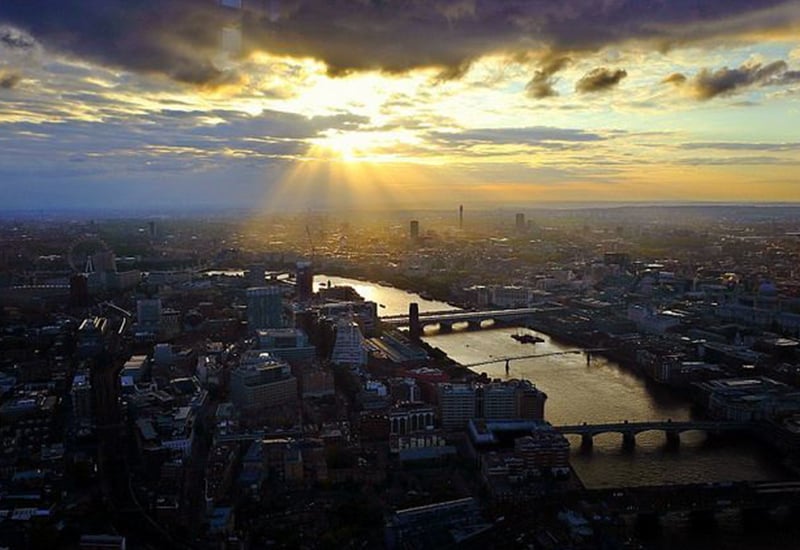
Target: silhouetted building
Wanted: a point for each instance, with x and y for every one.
(148, 313)
(304, 278)
(264, 307)
(78, 290)
(414, 230)
(519, 223)
(255, 275)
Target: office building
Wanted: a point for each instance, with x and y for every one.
(349, 348)
(304, 279)
(513, 399)
(81, 396)
(456, 405)
(148, 313)
(262, 381)
(290, 344)
(264, 307)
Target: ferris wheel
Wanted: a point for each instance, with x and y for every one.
(82, 251)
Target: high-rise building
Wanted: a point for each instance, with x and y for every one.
(413, 228)
(105, 260)
(304, 278)
(349, 348)
(254, 274)
(262, 381)
(78, 290)
(520, 222)
(514, 399)
(81, 394)
(264, 307)
(456, 405)
(498, 401)
(148, 313)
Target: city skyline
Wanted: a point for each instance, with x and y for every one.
(292, 105)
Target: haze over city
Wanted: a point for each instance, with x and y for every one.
(285, 104)
(402, 274)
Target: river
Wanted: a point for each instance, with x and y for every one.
(601, 391)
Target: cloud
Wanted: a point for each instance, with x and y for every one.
(9, 79)
(708, 84)
(182, 39)
(675, 78)
(600, 79)
(533, 135)
(16, 39)
(742, 146)
(541, 85)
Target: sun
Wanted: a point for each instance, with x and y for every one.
(363, 146)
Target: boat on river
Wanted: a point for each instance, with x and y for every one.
(527, 338)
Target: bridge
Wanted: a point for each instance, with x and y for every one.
(629, 430)
(507, 360)
(446, 319)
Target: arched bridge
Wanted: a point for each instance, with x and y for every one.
(446, 319)
(629, 430)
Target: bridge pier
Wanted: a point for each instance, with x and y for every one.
(414, 326)
(587, 441)
(474, 325)
(445, 328)
(628, 440)
(673, 439)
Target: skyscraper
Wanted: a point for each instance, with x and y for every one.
(264, 307)
(304, 278)
(520, 222)
(414, 230)
(349, 346)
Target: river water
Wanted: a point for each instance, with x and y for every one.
(600, 391)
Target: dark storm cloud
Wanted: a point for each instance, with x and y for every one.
(600, 79)
(181, 38)
(9, 79)
(175, 37)
(708, 83)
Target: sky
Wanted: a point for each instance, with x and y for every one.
(296, 105)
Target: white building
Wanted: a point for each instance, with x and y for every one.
(349, 348)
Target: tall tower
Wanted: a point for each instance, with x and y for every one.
(413, 229)
(304, 279)
(264, 307)
(349, 347)
(461, 217)
(520, 222)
